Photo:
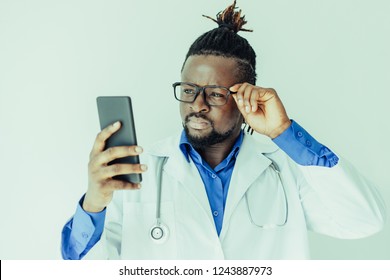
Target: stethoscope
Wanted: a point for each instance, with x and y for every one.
(274, 167)
(160, 231)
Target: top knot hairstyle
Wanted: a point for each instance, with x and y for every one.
(224, 41)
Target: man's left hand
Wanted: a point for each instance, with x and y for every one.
(262, 109)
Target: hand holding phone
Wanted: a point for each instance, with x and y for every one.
(114, 162)
(118, 108)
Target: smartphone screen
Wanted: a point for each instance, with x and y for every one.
(119, 108)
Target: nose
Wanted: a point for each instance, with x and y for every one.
(199, 104)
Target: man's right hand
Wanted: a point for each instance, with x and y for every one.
(101, 185)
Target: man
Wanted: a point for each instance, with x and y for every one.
(214, 192)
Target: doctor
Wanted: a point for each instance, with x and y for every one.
(213, 192)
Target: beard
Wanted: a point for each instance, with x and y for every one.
(214, 137)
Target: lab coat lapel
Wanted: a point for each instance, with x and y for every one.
(250, 164)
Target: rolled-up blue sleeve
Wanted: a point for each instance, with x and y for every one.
(301, 147)
(81, 233)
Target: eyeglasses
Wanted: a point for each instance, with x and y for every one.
(213, 95)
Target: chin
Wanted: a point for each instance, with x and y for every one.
(201, 139)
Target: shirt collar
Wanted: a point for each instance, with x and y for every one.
(187, 148)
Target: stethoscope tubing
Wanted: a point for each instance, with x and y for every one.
(271, 226)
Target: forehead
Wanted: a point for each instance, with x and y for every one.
(210, 70)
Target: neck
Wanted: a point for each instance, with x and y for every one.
(215, 154)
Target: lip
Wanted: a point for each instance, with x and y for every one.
(198, 123)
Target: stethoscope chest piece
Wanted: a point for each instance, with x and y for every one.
(159, 233)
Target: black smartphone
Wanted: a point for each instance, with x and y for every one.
(119, 108)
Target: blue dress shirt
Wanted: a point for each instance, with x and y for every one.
(84, 229)
(81, 232)
(217, 180)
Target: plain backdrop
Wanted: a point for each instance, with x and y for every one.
(328, 60)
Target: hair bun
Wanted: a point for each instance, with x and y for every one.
(226, 25)
(231, 18)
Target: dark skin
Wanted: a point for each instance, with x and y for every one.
(261, 108)
(212, 70)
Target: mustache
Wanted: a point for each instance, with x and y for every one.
(197, 115)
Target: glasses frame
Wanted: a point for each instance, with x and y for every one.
(199, 90)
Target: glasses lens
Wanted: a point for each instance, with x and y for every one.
(216, 96)
(185, 92)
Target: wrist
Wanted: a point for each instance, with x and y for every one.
(280, 129)
(88, 206)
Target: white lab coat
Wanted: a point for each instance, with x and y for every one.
(334, 201)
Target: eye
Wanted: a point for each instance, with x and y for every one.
(188, 90)
(217, 95)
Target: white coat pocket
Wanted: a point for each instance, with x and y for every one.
(138, 220)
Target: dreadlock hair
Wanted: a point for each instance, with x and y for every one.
(224, 41)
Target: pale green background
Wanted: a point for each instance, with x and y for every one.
(328, 60)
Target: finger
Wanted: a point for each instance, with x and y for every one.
(239, 104)
(235, 97)
(235, 87)
(102, 136)
(117, 152)
(122, 168)
(267, 94)
(247, 97)
(253, 100)
(240, 94)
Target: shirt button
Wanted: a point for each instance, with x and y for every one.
(213, 176)
(308, 143)
(300, 134)
(84, 235)
(215, 213)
